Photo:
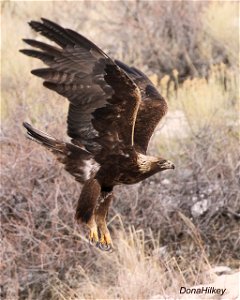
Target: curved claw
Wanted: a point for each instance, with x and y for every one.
(104, 247)
(91, 242)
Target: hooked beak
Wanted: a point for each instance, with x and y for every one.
(168, 165)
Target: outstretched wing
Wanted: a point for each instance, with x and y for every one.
(104, 100)
(152, 107)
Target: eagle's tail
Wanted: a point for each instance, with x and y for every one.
(44, 139)
(54, 145)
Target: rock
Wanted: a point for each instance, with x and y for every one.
(165, 181)
(220, 270)
(199, 208)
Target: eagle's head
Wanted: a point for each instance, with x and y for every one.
(152, 165)
(164, 164)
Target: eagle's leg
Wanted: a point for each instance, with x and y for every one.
(87, 202)
(101, 211)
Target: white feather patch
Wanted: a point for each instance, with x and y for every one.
(90, 168)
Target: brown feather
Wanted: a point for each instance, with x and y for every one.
(152, 107)
(88, 200)
(72, 156)
(112, 114)
(103, 99)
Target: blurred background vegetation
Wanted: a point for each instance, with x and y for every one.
(169, 230)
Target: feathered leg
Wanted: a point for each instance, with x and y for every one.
(86, 206)
(101, 211)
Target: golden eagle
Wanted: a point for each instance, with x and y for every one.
(112, 114)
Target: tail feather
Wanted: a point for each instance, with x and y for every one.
(45, 139)
(75, 158)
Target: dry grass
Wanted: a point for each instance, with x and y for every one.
(46, 256)
(169, 230)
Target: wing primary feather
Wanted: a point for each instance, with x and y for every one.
(54, 32)
(66, 90)
(40, 45)
(43, 73)
(37, 54)
(54, 76)
(55, 87)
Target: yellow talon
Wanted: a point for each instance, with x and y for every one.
(99, 235)
(93, 235)
(106, 239)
